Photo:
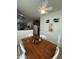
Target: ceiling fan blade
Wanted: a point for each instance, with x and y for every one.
(49, 8)
(44, 4)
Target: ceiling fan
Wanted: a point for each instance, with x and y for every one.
(44, 7)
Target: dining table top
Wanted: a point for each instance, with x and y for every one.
(43, 50)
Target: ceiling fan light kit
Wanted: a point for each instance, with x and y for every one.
(43, 12)
(44, 9)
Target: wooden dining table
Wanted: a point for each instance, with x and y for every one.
(42, 50)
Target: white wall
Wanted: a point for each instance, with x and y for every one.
(23, 33)
(57, 27)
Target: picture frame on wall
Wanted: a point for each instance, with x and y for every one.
(47, 21)
(56, 20)
(50, 27)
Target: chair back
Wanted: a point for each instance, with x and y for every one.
(56, 53)
(22, 47)
(43, 36)
(23, 51)
(29, 35)
(57, 48)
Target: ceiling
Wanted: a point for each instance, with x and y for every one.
(30, 7)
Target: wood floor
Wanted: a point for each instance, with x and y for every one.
(43, 50)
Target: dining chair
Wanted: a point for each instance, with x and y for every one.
(22, 56)
(43, 36)
(22, 47)
(29, 35)
(57, 48)
(56, 53)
